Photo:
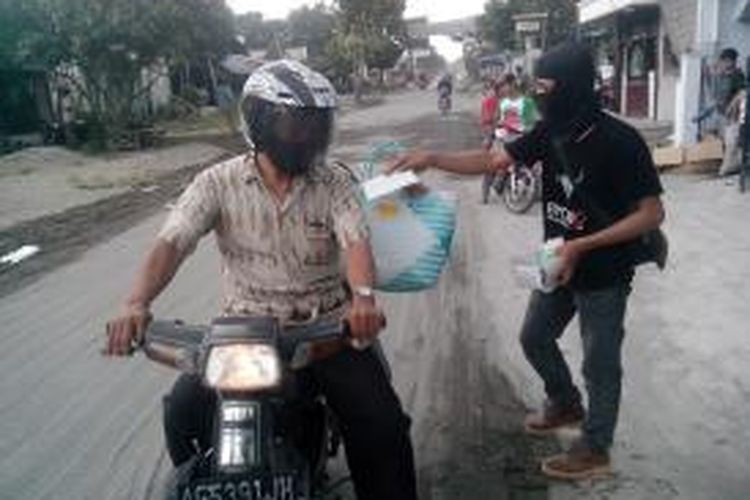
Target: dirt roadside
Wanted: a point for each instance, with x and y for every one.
(64, 236)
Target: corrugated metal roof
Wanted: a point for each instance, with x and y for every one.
(591, 10)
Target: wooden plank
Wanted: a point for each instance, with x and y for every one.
(706, 150)
(671, 156)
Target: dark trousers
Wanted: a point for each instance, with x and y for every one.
(601, 316)
(356, 385)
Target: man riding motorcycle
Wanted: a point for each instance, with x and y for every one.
(283, 221)
(445, 90)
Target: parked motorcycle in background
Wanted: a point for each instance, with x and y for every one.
(519, 187)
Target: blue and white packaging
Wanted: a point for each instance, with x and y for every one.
(412, 231)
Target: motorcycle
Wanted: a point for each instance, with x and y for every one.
(444, 103)
(519, 187)
(272, 435)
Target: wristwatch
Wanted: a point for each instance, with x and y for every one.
(364, 292)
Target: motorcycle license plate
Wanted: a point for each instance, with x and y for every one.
(278, 486)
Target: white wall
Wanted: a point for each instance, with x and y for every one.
(667, 95)
(707, 34)
(668, 76)
(686, 98)
(733, 33)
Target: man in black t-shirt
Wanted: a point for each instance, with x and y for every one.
(601, 193)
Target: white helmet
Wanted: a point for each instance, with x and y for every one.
(290, 83)
(287, 112)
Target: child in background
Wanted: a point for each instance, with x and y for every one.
(488, 115)
(517, 113)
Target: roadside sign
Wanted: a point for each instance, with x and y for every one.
(528, 26)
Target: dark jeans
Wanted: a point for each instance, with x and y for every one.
(601, 316)
(356, 385)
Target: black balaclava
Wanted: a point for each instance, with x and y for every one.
(295, 140)
(571, 66)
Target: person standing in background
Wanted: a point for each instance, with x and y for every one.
(517, 111)
(729, 81)
(488, 115)
(516, 115)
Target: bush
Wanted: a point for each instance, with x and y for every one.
(195, 96)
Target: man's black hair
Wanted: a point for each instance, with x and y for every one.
(729, 54)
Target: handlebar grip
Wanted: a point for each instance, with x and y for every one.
(357, 343)
(347, 328)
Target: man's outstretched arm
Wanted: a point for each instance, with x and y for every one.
(157, 271)
(469, 162)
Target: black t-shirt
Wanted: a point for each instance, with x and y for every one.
(609, 162)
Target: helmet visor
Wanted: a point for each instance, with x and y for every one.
(303, 125)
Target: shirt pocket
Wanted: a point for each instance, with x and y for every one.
(319, 243)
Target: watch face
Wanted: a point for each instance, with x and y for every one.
(363, 291)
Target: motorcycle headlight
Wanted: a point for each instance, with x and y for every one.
(243, 367)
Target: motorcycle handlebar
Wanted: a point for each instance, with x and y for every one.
(178, 345)
(173, 343)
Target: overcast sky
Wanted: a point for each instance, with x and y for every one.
(436, 10)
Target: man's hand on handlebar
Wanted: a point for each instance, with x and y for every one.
(127, 329)
(365, 321)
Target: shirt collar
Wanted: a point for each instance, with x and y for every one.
(252, 174)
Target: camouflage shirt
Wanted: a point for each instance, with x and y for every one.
(277, 259)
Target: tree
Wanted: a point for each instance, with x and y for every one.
(251, 29)
(370, 32)
(204, 28)
(562, 19)
(260, 34)
(384, 53)
(338, 62)
(373, 17)
(18, 106)
(106, 51)
(496, 24)
(16, 21)
(313, 28)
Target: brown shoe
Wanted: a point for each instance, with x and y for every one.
(553, 418)
(579, 463)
